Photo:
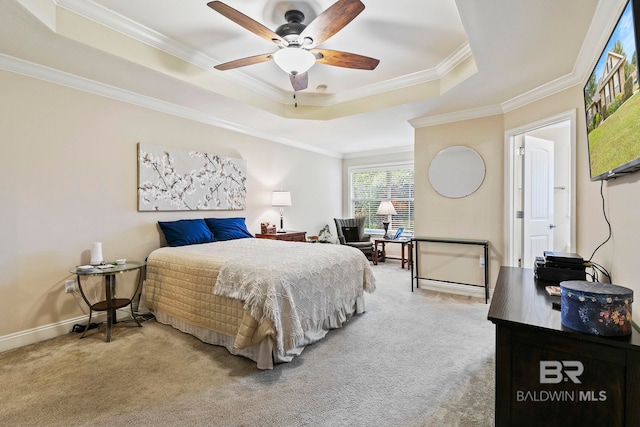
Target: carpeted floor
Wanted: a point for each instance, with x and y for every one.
(413, 359)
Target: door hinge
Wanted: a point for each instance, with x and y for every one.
(520, 151)
(519, 214)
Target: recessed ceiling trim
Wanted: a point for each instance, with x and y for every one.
(330, 100)
(548, 89)
(604, 17)
(453, 60)
(381, 152)
(388, 85)
(458, 116)
(103, 16)
(446, 66)
(45, 11)
(424, 76)
(143, 34)
(40, 72)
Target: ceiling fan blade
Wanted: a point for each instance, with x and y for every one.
(299, 81)
(345, 59)
(244, 62)
(244, 21)
(332, 20)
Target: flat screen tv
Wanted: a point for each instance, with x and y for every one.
(612, 102)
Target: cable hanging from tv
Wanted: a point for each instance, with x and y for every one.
(594, 266)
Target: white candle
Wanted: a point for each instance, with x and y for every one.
(96, 253)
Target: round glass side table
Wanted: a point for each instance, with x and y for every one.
(110, 303)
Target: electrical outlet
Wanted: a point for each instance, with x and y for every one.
(481, 260)
(69, 286)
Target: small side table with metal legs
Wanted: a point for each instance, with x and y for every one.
(110, 304)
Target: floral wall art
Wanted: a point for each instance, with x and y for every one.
(170, 179)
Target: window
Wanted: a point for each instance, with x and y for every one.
(372, 185)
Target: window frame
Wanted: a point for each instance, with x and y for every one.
(377, 167)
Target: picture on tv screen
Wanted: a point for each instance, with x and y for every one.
(612, 105)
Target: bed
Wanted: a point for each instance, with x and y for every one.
(262, 299)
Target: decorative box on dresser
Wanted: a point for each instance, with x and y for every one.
(548, 374)
(290, 236)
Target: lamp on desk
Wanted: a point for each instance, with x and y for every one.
(281, 199)
(386, 208)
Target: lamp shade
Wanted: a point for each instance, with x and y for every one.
(294, 60)
(386, 208)
(281, 198)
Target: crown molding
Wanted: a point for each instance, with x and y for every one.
(380, 152)
(455, 59)
(45, 11)
(106, 17)
(533, 95)
(456, 116)
(548, 89)
(103, 16)
(605, 17)
(40, 72)
(436, 73)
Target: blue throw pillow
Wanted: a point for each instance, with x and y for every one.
(228, 228)
(186, 232)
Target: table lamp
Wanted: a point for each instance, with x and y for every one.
(386, 208)
(281, 199)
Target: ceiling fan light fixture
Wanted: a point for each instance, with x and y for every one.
(294, 60)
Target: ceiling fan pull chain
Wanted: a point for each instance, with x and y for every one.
(295, 102)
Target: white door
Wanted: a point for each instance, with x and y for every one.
(537, 198)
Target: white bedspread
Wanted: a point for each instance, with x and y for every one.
(303, 288)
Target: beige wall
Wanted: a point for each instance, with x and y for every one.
(480, 215)
(69, 175)
(68, 170)
(477, 216)
(622, 196)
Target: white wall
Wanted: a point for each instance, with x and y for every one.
(68, 174)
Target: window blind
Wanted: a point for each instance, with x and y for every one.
(372, 185)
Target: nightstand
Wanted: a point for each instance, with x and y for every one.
(110, 303)
(290, 236)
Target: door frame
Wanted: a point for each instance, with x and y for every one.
(509, 179)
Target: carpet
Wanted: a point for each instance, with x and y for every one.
(412, 359)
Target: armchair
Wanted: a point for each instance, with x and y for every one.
(351, 233)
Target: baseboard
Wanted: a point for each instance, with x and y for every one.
(454, 288)
(42, 333)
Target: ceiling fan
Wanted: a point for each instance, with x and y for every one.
(297, 42)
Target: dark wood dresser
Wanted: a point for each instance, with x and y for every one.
(291, 236)
(547, 374)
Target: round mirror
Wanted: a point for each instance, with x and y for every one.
(456, 172)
